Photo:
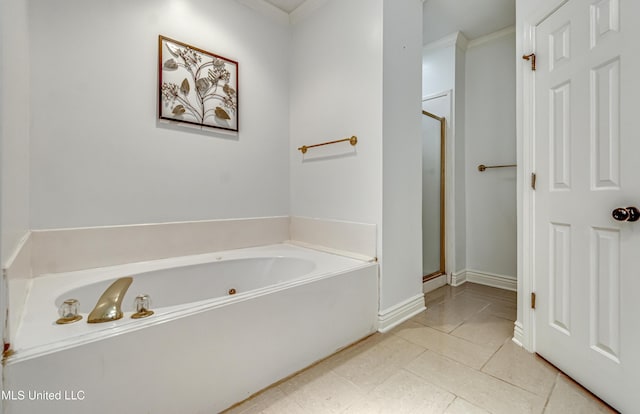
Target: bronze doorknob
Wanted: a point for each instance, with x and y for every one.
(626, 214)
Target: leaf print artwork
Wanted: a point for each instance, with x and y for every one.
(221, 113)
(170, 65)
(184, 88)
(197, 87)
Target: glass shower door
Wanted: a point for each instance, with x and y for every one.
(433, 129)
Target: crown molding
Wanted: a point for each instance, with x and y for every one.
(461, 41)
(491, 36)
(454, 39)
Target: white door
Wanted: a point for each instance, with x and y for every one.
(587, 160)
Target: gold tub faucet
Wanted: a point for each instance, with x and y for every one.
(108, 307)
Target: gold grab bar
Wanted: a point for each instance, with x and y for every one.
(353, 141)
(483, 167)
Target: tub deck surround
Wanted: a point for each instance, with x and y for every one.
(65, 250)
(338, 235)
(194, 354)
(178, 287)
(58, 251)
(330, 250)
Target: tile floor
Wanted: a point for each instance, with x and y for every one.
(456, 357)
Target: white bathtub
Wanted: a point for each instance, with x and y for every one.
(203, 350)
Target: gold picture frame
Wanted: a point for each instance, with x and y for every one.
(196, 87)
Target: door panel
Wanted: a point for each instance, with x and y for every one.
(587, 159)
(605, 292)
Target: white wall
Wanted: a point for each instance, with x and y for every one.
(443, 67)
(14, 139)
(438, 69)
(14, 125)
(491, 139)
(99, 156)
(336, 78)
(401, 264)
(460, 161)
(482, 76)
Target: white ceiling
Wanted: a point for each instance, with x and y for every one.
(286, 6)
(474, 18)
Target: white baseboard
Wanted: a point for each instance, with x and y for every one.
(518, 334)
(484, 278)
(492, 279)
(433, 284)
(458, 278)
(394, 316)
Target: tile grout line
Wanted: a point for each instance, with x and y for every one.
(555, 384)
(451, 403)
(475, 369)
(508, 382)
(514, 385)
(453, 337)
(456, 326)
(398, 368)
(366, 395)
(480, 372)
(491, 357)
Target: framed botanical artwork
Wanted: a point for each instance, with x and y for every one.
(196, 87)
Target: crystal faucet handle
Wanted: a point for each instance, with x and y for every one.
(68, 312)
(143, 303)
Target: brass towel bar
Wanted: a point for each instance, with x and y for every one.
(353, 141)
(483, 167)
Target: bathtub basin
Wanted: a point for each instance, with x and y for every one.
(204, 349)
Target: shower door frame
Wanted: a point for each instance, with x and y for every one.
(443, 130)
